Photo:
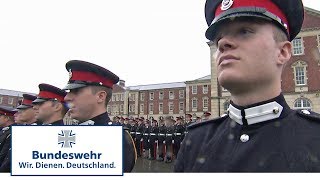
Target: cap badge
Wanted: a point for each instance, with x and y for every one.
(226, 4)
(70, 74)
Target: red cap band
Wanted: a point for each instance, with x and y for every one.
(6, 113)
(91, 77)
(267, 4)
(27, 102)
(50, 95)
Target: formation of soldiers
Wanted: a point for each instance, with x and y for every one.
(52, 106)
(157, 139)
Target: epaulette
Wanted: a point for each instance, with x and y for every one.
(216, 120)
(308, 115)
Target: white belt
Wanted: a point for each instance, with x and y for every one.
(152, 134)
(161, 134)
(145, 134)
(132, 132)
(179, 134)
(169, 134)
(138, 133)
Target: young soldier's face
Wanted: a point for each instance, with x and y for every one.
(247, 55)
(25, 115)
(82, 103)
(44, 111)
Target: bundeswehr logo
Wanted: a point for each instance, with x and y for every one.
(226, 4)
(66, 138)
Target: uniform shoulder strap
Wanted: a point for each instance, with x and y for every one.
(308, 115)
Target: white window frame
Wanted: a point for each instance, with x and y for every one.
(171, 94)
(301, 65)
(302, 101)
(194, 89)
(132, 108)
(109, 109)
(121, 97)
(297, 46)
(226, 106)
(141, 108)
(151, 108)
(10, 100)
(161, 95)
(171, 106)
(194, 103)
(151, 96)
(113, 97)
(205, 90)
(142, 95)
(181, 106)
(160, 107)
(121, 107)
(205, 105)
(181, 94)
(117, 97)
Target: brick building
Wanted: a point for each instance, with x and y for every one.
(10, 98)
(300, 78)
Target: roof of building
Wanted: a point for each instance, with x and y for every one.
(7, 92)
(204, 78)
(158, 86)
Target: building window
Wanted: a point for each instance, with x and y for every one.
(205, 102)
(194, 89)
(113, 98)
(302, 103)
(141, 108)
(181, 94)
(151, 95)
(318, 39)
(132, 97)
(171, 106)
(1, 98)
(142, 97)
(300, 69)
(10, 100)
(114, 108)
(150, 108)
(171, 95)
(117, 97)
(205, 89)
(121, 97)
(161, 95)
(297, 46)
(160, 107)
(121, 107)
(194, 103)
(181, 106)
(226, 106)
(132, 108)
(109, 109)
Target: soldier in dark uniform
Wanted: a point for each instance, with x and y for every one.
(50, 106)
(6, 121)
(260, 133)
(179, 130)
(90, 90)
(161, 140)
(169, 141)
(146, 140)
(153, 140)
(26, 112)
(206, 116)
(139, 137)
(133, 126)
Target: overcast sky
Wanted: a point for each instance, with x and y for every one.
(142, 41)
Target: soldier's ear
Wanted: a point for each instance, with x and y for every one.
(101, 96)
(284, 55)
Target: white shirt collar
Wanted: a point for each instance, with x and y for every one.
(257, 114)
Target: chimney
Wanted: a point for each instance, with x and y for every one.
(122, 83)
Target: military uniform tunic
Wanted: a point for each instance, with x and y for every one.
(264, 137)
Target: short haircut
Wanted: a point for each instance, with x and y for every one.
(95, 89)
